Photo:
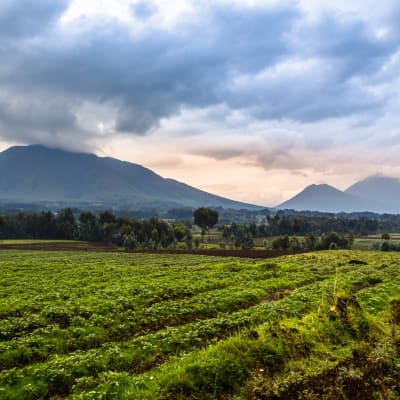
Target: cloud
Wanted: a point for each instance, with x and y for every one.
(149, 76)
(267, 63)
(28, 18)
(143, 9)
(274, 156)
(36, 121)
(219, 153)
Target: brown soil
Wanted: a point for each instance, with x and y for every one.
(339, 383)
(104, 247)
(360, 377)
(278, 295)
(154, 363)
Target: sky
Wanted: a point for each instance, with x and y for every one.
(252, 100)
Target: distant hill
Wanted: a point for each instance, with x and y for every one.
(326, 198)
(40, 174)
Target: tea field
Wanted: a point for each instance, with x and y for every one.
(86, 325)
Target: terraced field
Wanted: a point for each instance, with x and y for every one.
(85, 325)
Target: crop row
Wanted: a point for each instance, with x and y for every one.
(52, 339)
(102, 321)
(58, 375)
(266, 350)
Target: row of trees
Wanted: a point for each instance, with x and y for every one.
(297, 225)
(238, 236)
(241, 236)
(87, 226)
(315, 231)
(331, 240)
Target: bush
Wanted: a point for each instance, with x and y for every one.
(333, 239)
(281, 243)
(389, 246)
(385, 246)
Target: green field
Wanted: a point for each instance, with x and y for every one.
(84, 325)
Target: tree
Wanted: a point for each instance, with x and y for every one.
(246, 241)
(88, 227)
(281, 243)
(180, 231)
(66, 225)
(297, 225)
(385, 246)
(385, 236)
(47, 225)
(311, 241)
(205, 218)
(107, 217)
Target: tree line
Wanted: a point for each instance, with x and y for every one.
(106, 227)
(331, 241)
(293, 232)
(280, 224)
(242, 236)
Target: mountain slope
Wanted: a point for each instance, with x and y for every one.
(381, 189)
(40, 174)
(326, 198)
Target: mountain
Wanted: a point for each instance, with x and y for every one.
(320, 198)
(326, 198)
(381, 189)
(37, 174)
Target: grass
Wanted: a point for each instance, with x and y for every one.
(34, 241)
(87, 325)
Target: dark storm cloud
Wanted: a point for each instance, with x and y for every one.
(355, 47)
(27, 18)
(153, 75)
(44, 119)
(269, 62)
(39, 115)
(337, 63)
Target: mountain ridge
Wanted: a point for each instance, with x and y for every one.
(378, 188)
(376, 194)
(38, 173)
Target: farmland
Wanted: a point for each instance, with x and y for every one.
(105, 325)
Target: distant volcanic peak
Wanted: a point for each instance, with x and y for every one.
(318, 190)
(321, 188)
(377, 180)
(381, 189)
(376, 194)
(325, 198)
